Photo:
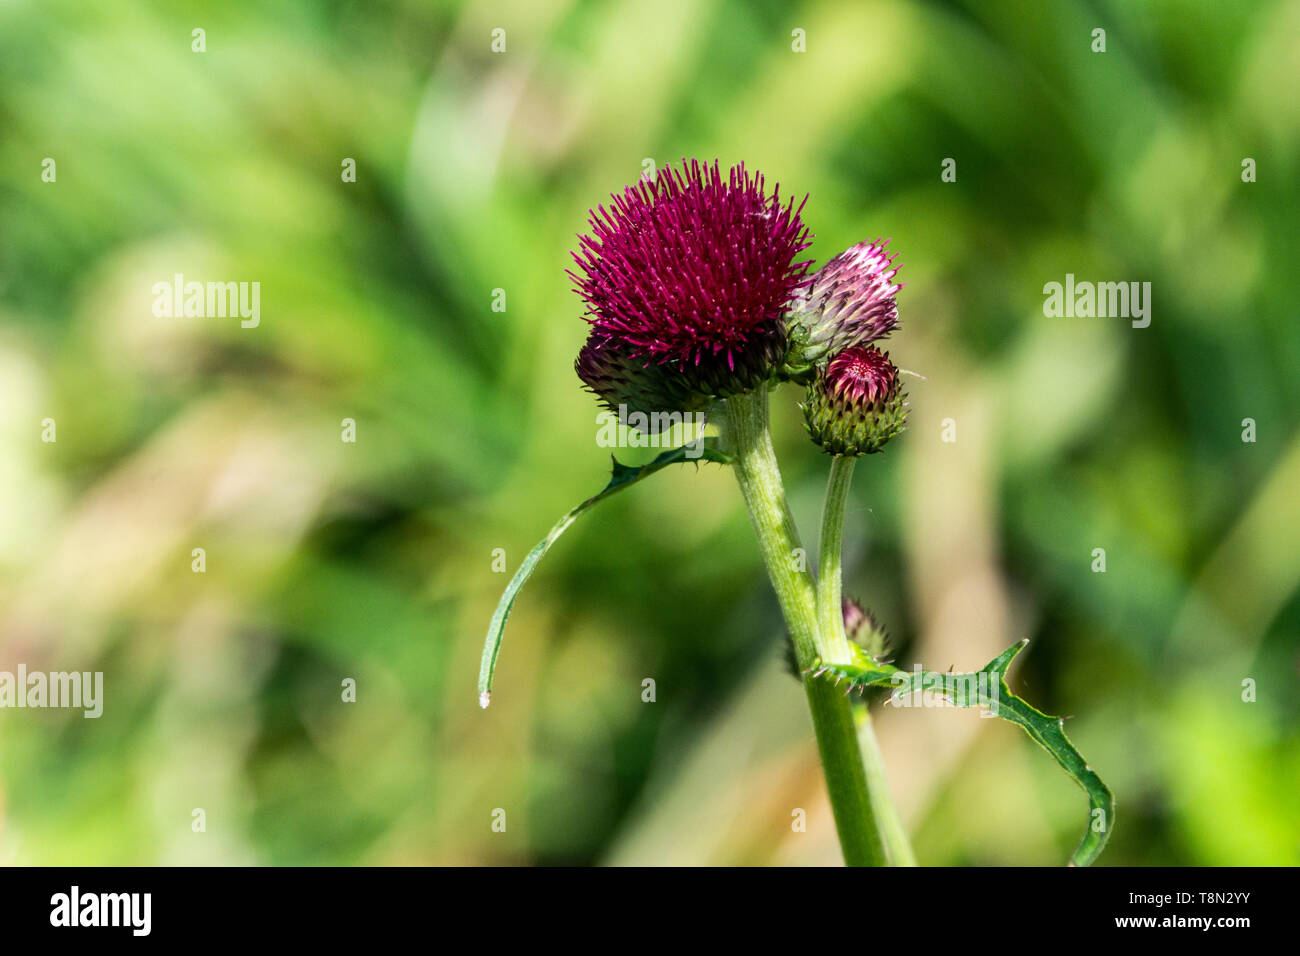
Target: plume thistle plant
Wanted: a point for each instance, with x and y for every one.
(699, 297)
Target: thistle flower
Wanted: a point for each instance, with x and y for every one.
(691, 272)
(855, 403)
(849, 302)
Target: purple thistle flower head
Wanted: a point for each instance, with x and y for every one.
(855, 403)
(849, 302)
(693, 271)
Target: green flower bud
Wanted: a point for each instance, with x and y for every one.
(855, 403)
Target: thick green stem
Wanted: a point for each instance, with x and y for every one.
(754, 464)
(830, 616)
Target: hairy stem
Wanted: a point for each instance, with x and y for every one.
(755, 466)
(830, 616)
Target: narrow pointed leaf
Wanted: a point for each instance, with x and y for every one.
(987, 687)
(622, 476)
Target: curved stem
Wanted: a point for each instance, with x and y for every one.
(755, 466)
(830, 612)
(830, 616)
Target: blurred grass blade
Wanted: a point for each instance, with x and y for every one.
(622, 476)
(987, 687)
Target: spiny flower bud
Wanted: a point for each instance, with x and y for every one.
(849, 302)
(626, 384)
(855, 403)
(692, 272)
(864, 630)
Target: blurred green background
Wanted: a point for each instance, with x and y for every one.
(374, 561)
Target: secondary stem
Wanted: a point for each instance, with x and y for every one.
(756, 470)
(830, 616)
(891, 824)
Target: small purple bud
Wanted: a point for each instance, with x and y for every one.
(862, 628)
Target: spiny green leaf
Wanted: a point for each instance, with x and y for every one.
(987, 687)
(621, 476)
